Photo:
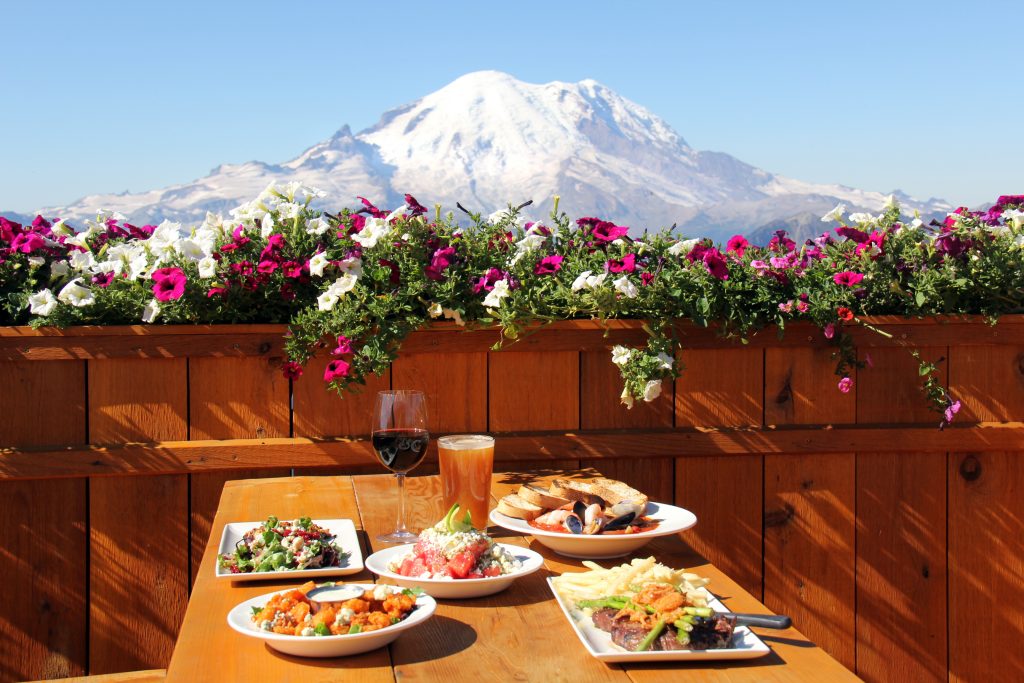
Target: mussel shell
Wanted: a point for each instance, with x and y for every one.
(579, 508)
(620, 522)
(574, 524)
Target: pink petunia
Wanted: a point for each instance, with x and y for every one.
(715, 263)
(168, 284)
(266, 267)
(336, 369)
(847, 278)
(291, 370)
(951, 410)
(344, 346)
(829, 331)
(27, 242)
(549, 265)
(845, 384)
(737, 244)
(441, 259)
(646, 278)
(626, 264)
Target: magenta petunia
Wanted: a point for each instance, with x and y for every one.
(549, 265)
(847, 278)
(27, 242)
(415, 207)
(292, 269)
(168, 284)
(737, 244)
(371, 209)
(266, 267)
(344, 346)
(646, 278)
(608, 232)
(441, 259)
(336, 369)
(845, 384)
(291, 370)
(103, 279)
(951, 410)
(829, 330)
(626, 264)
(715, 263)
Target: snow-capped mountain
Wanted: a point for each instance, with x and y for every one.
(487, 140)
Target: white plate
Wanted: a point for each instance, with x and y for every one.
(240, 619)
(345, 536)
(745, 643)
(454, 589)
(671, 520)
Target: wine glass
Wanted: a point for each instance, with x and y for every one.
(400, 437)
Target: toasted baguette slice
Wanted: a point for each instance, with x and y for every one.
(514, 506)
(575, 489)
(615, 491)
(532, 493)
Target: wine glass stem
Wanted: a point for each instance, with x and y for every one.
(400, 524)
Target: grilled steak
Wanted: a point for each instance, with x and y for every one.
(712, 633)
(628, 634)
(669, 641)
(604, 619)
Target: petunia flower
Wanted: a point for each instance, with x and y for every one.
(737, 244)
(74, 294)
(624, 287)
(42, 302)
(336, 369)
(652, 390)
(291, 370)
(844, 313)
(150, 311)
(621, 354)
(845, 384)
(549, 265)
(168, 284)
(715, 263)
(829, 331)
(847, 278)
(627, 264)
(344, 346)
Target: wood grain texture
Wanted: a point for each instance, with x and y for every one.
(44, 610)
(889, 388)
(455, 385)
(600, 406)
(138, 400)
(319, 411)
(32, 393)
(901, 566)
(205, 638)
(43, 614)
(986, 566)
(237, 398)
(139, 580)
(150, 676)
(534, 391)
(809, 546)
(726, 496)
(989, 381)
(652, 476)
(721, 387)
(801, 387)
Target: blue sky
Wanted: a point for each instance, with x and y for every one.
(110, 96)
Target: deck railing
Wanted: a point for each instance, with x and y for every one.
(893, 545)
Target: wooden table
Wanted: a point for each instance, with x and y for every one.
(519, 634)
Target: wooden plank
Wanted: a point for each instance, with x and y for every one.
(653, 476)
(720, 388)
(150, 676)
(600, 406)
(809, 542)
(889, 389)
(43, 616)
(174, 457)
(138, 525)
(44, 611)
(455, 385)
(901, 566)
(726, 496)
(801, 387)
(534, 391)
(988, 381)
(138, 570)
(320, 412)
(205, 637)
(986, 565)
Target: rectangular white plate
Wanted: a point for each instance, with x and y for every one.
(343, 529)
(745, 644)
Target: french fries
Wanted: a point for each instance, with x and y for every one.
(628, 580)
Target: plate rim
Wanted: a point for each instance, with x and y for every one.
(525, 571)
(759, 648)
(355, 559)
(514, 524)
(429, 604)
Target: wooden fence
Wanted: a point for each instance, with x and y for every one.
(895, 546)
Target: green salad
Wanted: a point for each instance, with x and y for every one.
(283, 546)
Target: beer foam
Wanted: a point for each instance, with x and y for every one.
(465, 442)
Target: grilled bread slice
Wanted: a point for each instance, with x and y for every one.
(541, 497)
(514, 506)
(602, 491)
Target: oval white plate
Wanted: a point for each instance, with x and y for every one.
(240, 619)
(671, 520)
(454, 589)
(345, 535)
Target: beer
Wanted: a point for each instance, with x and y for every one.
(466, 463)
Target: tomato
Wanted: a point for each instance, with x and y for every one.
(462, 564)
(493, 570)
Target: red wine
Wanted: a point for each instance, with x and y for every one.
(400, 450)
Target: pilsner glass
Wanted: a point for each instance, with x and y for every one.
(400, 437)
(466, 463)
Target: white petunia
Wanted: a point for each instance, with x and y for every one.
(42, 302)
(682, 247)
(652, 390)
(326, 300)
(76, 295)
(343, 285)
(891, 202)
(835, 214)
(435, 310)
(396, 213)
(595, 281)
(625, 287)
(1015, 217)
(207, 267)
(665, 361)
(317, 264)
(451, 314)
(266, 226)
(190, 249)
(59, 269)
(151, 311)
(626, 398)
(36, 261)
(351, 265)
(621, 354)
(371, 233)
(861, 217)
(289, 210)
(82, 260)
(406, 237)
(494, 297)
(916, 223)
(581, 281)
(318, 226)
(61, 228)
